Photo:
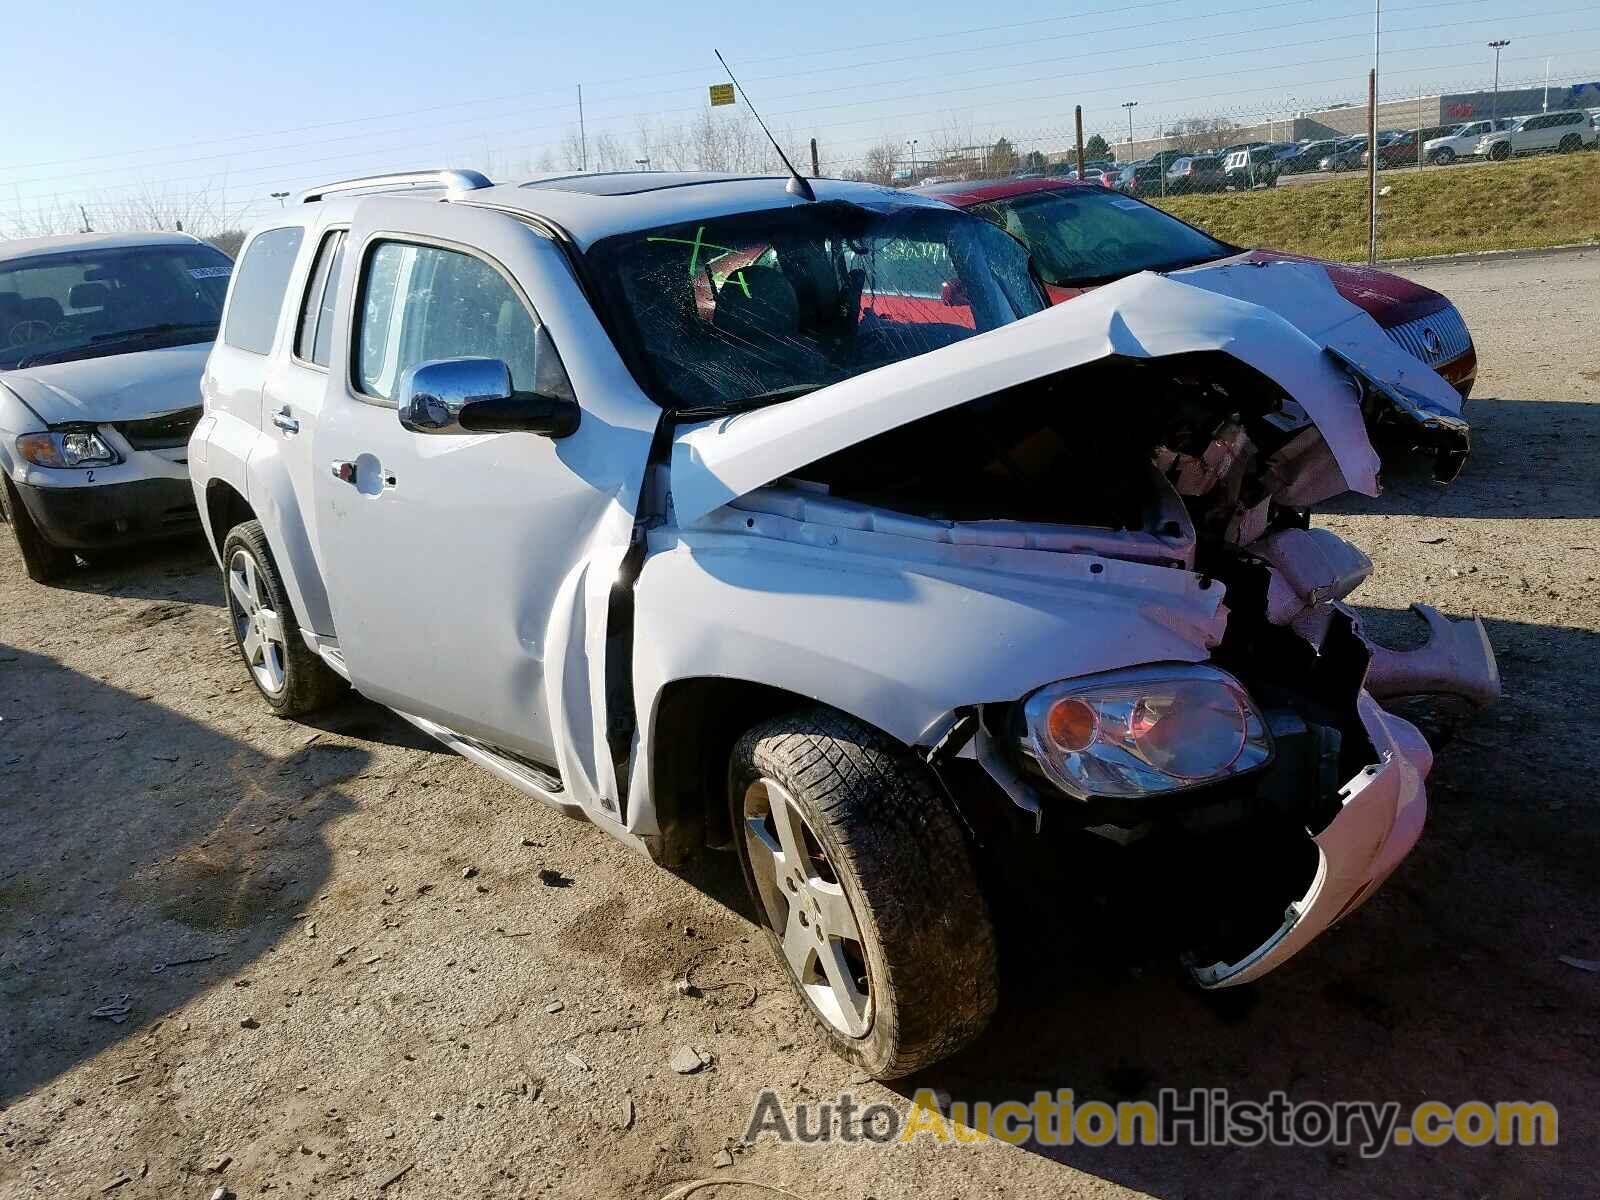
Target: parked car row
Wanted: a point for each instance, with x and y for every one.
(1260, 164)
(790, 515)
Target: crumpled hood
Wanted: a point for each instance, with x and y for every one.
(1236, 308)
(117, 387)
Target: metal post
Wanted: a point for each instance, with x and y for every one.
(1078, 116)
(816, 170)
(1130, 105)
(1372, 167)
(1494, 106)
(583, 135)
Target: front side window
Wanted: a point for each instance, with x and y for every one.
(734, 312)
(259, 289)
(1084, 238)
(76, 304)
(420, 303)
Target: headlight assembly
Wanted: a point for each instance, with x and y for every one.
(66, 448)
(1144, 731)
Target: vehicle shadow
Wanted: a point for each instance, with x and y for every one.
(1530, 458)
(181, 569)
(146, 858)
(1447, 985)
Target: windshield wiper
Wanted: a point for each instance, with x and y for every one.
(164, 329)
(104, 341)
(727, 408)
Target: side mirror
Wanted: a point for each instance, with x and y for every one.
(954, 293)
(474, 395)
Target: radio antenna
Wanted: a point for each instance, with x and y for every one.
(798, 184)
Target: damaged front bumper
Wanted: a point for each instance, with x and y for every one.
(1380, 818)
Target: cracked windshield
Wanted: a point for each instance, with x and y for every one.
(746, 310)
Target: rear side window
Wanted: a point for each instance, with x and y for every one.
(313, 340)
(258, 288)
(420, 303)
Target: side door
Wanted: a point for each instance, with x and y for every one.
(292, 401)
(470, 574)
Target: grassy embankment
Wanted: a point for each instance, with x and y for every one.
(1552, 200)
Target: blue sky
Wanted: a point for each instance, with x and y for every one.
(196, 101)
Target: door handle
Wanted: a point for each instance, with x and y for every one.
(284, 421)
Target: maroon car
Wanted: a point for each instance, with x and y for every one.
(1082, 236)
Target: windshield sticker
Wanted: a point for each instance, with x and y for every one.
(210, 272)
(1124, 202)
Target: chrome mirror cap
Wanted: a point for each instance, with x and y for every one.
(432, 394)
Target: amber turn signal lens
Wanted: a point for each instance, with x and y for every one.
(1072, 725)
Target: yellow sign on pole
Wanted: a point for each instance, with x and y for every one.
(721, 93)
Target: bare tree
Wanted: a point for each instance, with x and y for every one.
(609, 153)
(879, 163)
(571, 150)
(1194, 135)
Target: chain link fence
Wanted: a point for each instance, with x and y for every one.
(1513, 166)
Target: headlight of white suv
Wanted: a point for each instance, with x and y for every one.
(66, 448)
(1144, 731)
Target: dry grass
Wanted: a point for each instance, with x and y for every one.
(1520, 205)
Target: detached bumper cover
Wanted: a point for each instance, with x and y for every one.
(98, 516)
(1381, 819)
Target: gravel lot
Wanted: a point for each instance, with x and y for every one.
(406, 964)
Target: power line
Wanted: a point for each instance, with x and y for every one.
(275, 167)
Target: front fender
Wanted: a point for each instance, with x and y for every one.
(289, 533)
(898, 642)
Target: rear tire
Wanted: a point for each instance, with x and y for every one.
(43, 562)
(291, 678)
(866, 887)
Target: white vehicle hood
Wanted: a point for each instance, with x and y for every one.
(116, 387)
(1237, 308)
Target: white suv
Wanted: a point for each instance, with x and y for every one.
(1445, 149)
(1559, 131)
(717, 511)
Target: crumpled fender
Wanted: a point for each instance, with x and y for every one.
(1456, 660)
(900, 642)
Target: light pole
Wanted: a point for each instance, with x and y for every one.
(1130, 105)
(1494, 106)
(912, 142)
(1546, 85)
(279, 197)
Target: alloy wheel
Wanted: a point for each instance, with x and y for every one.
(256, 623)
(807, 909)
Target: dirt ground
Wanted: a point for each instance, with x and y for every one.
(346, 954)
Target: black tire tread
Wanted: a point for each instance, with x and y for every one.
(884, 820)
(309, 683)
(43, 562)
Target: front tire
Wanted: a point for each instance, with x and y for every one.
(1570, 143)
(290, 677)
(43, 562)
(1443, 157)
(867, 889)
(1500, 151)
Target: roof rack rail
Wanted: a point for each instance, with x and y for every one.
(454, 183)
